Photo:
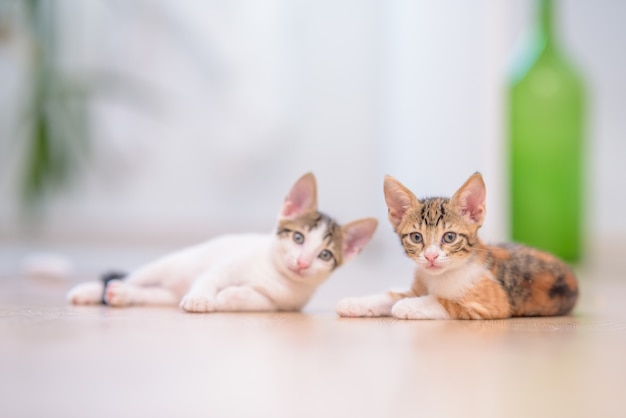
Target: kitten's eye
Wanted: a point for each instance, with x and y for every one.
(298, 238)
(326, 255)
(416, 237)
(449, 237)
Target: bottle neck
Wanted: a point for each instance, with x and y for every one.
(546, 27)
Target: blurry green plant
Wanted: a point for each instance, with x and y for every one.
(56, 134)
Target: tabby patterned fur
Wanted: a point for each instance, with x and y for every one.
(459, 277)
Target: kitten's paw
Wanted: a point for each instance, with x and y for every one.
(424, 307)
(359, 307)
(118, 293)
(197, 303)
(86, 294)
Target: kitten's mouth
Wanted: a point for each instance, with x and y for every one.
(436, 266)
(297, 272)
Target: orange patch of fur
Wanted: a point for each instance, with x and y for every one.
(485, 300)
(539, 303)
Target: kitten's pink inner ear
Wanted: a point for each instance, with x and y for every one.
(398, 199)
(356, 235)
(302, 198)
(471, 199)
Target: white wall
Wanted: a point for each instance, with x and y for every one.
(441, 100)
(594, 34)
(232, 101)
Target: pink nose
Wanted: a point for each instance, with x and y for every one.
(302, 264)
(431, 257)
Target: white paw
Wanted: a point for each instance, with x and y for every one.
(197, 303)
(407, 309)
(359, 307)
(118, 293)
(86, 294)
(424, 307)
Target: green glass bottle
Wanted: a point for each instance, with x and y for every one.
(546, 100)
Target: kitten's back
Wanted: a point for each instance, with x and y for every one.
(537, 283)
(178, 270)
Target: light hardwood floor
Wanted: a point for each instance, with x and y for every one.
(58, 360)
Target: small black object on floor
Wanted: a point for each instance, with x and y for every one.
(106, 278)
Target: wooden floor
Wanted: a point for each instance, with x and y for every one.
(58, 360)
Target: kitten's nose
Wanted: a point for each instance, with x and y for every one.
(431, 257)
(303, 264)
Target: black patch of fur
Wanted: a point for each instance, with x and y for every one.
(559, 288)
(516, 275)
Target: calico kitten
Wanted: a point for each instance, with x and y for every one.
(275, 272)
(458, 276)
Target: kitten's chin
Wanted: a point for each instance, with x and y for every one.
(434, 269)
(440, 268)
(299, 275)
(292, 273)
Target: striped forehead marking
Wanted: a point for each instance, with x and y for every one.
(433, 211)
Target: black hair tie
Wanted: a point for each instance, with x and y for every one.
(106, 278)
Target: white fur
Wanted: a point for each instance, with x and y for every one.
(422, 307)
(368, 306)
(239, 272)
(122, 293)
(451, 283)
(260, 277)
(86, 293)
(233, 272)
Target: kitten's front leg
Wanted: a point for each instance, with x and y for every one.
(201, 296)
(243, 299)
(198, 302)
(368, 306)
(422, 307)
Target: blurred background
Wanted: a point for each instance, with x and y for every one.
(129, 128)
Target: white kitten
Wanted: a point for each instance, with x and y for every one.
(250, 272)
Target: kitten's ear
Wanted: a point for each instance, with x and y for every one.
(355, 235)
(399, 199)
(302, 198)
(470, 199)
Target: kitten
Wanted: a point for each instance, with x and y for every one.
(275, 272)
(459, 277)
